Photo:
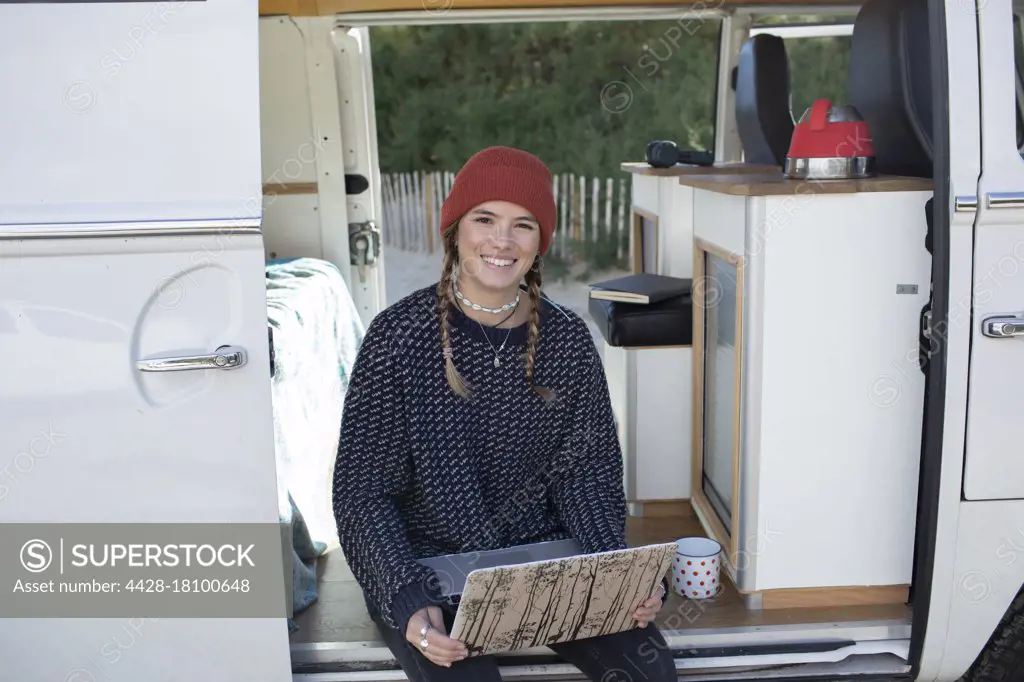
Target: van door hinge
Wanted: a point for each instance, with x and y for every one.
(273, 354)
(363, 246)
(927, 343)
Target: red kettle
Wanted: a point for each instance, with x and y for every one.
(830, 143)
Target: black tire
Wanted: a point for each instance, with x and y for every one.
(1002, 659)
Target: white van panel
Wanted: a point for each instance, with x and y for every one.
(129, 445)
(86, 437)
(992, 469)
(989, 572)
(129, 111)
(286, 115)
(143, 650)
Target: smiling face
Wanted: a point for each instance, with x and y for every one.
(498, 242)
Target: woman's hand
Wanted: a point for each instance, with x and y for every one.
(427, 627)
(648, 610)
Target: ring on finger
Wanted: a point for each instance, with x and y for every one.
(423, 636)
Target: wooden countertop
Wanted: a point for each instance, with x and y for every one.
(774, 184)
(643, 168)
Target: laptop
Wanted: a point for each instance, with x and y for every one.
(453, 569)
(547, 593)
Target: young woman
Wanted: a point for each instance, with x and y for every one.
(477, 417)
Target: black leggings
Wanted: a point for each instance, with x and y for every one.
(637, 655)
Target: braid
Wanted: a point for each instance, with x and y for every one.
(533, 280)
(444, 302)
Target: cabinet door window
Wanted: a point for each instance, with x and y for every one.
(721, 384)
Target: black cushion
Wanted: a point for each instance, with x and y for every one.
(764, 120)
(666, 323)
(890, 83)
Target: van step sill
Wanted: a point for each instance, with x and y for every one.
(372, 654)
(510, 661)
(878, 667)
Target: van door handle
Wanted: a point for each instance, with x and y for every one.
(1002, 327)
(225, 357)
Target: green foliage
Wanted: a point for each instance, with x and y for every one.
(817, 68)
(841, 18)
(584, 96)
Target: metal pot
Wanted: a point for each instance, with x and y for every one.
(830, 142)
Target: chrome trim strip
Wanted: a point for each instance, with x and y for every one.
(167, 228)
(1004, 200)
(965, 203)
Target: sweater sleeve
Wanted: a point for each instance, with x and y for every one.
(587, 488)
(371, 469)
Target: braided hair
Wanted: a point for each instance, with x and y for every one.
(445, 292)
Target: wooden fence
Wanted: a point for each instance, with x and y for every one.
(593, 214)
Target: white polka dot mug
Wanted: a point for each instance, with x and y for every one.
(695, 567)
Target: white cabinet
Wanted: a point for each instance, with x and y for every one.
(651, 387)
(661, 219)
(807, 401)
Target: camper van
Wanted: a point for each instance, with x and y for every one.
(193, 241)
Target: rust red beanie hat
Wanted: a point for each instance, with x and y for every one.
(503, 174)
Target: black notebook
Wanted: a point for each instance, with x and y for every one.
(643, 287)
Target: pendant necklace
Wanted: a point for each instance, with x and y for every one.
(497, 361)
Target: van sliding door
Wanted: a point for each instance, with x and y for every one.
(135, 376)
(997, 325)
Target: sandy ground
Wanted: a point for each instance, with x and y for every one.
(406, 271)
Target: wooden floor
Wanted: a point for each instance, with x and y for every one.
(340, 615)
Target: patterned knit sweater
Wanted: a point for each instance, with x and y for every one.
(422, 471)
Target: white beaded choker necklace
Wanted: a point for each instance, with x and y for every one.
(477, 306)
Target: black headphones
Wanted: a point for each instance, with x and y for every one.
(665, 154)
